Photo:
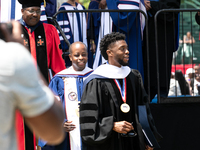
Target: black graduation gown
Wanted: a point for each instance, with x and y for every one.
(100, 108)
(167, 25)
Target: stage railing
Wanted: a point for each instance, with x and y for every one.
(186, 54)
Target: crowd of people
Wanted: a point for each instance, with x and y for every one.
(99, 83)
(188, 84)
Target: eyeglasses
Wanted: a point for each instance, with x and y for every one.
(34, 11)
(132, 133)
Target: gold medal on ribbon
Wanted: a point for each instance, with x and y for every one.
(125, 108)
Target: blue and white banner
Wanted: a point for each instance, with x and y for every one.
(72, 111)
(10, 10)
(73, 24)
(105, 28)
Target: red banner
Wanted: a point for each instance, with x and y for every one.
(182, 67)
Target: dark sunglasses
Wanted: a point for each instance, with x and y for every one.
(132, 133)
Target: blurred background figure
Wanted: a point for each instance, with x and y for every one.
(187, 51)
(59, 2)
(174, 89)
(197, 17)
(196, 75)
(93, 25)
(189, 77)
(196, 86)
(73, 25)
(184, 86)
(196, 69)
(48, 8)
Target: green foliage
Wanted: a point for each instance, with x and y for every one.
(85, 3)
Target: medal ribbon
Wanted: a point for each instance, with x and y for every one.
(122, 89)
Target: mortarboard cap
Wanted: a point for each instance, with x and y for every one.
(30, 3)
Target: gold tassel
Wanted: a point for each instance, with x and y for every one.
(44, 3)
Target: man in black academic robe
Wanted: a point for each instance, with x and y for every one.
(167, 29)
(102, 119)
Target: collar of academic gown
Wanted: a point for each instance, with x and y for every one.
(32, 28)
(108, 71)
(112, 72)
(71, 72)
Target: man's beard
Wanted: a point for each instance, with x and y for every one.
(121, 62)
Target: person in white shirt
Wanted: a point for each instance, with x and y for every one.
(22, 88)
(174, 89)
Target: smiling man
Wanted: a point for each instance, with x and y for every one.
(68, 87)
(41, 39)
(109, 104)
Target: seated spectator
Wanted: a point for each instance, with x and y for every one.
(174, 89)
(184, 86)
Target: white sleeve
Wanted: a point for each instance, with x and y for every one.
(33, 97)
